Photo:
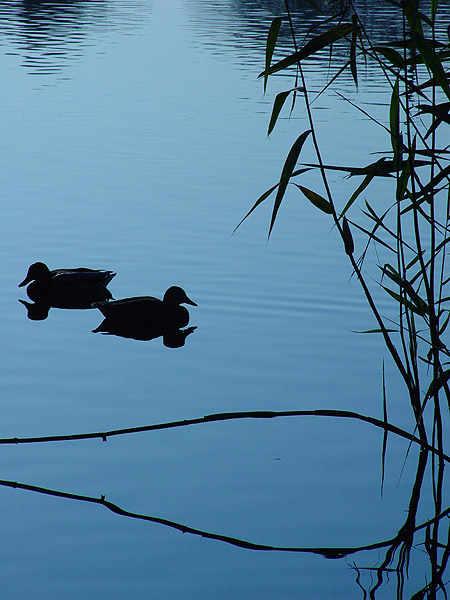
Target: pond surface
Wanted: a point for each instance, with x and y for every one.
(134, 140)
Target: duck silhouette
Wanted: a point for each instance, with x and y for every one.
(63, 288)
(42, 277)
(162, 314)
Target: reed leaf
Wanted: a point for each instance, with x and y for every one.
(362, 186)
(347, 237)
(437, 384)
(316, 199)
(381, 168)
(444, 325)
(433, 63)
(385, 433)
(434, 4)
(394, 120)
(318, 43)
(372, 237)
(277, 106)
(286, 174)
(270, 46)
(353, 66)
(419, 303)
(377, 330)
(401, 300)
(403, 180)
(430, 187)
(265, 196)
(394, 57)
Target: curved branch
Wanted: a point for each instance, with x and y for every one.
(345, 414)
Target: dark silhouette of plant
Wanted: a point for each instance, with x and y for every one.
(410, 230)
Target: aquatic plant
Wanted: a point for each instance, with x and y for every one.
(409, 230)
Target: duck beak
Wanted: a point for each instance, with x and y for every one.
(189, 301)
(25, 281)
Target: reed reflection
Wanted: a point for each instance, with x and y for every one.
(145, 317)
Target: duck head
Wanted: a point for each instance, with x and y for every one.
(37, 271)
(176, 295)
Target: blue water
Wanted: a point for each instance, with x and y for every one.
(134, 139)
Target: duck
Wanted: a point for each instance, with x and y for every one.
(69, 279)
(148, 310)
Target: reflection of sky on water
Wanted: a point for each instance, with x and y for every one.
(48, 35)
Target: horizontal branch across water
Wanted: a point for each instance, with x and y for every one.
(343, 414)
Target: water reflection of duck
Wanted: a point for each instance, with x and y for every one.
(71, 298)
(163, 314)
(59, 279)
(172, 337)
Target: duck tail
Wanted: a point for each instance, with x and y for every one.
(109, 275)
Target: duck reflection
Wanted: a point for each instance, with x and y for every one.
(63, 288)
(146, 318)
(172, 338)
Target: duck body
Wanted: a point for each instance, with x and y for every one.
(58, 279)
(154, 313)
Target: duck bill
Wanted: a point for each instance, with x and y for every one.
(189, 301)
(25, 281)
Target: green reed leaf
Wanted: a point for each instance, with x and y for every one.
(385, 434)
(444, 325)
(277, 106)
(362, 186)
(316, 199)
(353, 67)
(376, 331)
(437, 384)
(270, 46)
(347, 237)
(433, 63)
(318, 43)
(394, 121)
(406, 303)
(286, 174)
(404, 284)
(394, 57)
(257, 203)
(265, 196)
(403, 180)
(434, 5)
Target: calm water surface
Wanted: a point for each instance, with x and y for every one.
(134, 139)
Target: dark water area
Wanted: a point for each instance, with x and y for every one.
(134, 140)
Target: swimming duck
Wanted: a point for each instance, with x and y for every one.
(41, 275)
(165, 313)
